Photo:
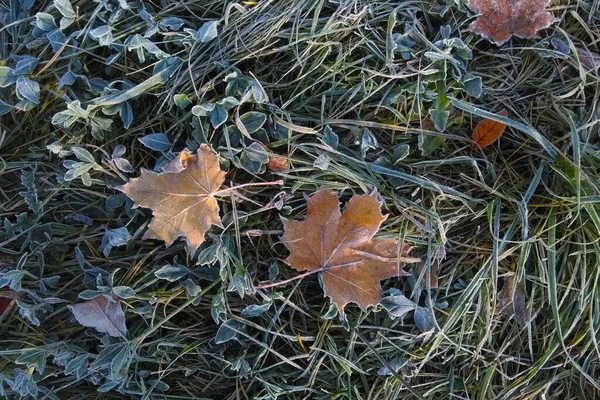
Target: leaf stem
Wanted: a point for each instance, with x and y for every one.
(229, 189)
(295, 278)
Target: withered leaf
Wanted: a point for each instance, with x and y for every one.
(7, 300)
(102, 314)
(488, 131)
(590, 61)
(499, 20)
(511, 300)
(340, 245)
(181, 198)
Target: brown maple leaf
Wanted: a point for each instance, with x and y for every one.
(501, 19)
(340, 246)
(181, 198)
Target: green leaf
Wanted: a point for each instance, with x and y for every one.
(202, 110)
(330, 138)
(400, 153)
(322, 162)
(257, 153)
(218, 116)
(5, 108)
(65, 119)
(77, 366)
(182, 100)
(207, 32)
(254, 310)
(172, 272)
(33, 358)
(439, 118)
(429, 143)
(123, 292)
(156, 142)
(77, 170)
(253, 121)
(424, 319)
(114, 238)
(473, 85)
(228, 331)
(228, 102)
(25, 65)
(83, 155)
(398, 305)
(45, 22)
(258, 93)
(126, 114)
(30, 195)
(103, 35)
(367, 141)
(218, 311)
(28, 90)
(65, 8)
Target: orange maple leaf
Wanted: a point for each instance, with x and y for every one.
(488, 131)
(340, 245)
(499, 20)
(181, 198)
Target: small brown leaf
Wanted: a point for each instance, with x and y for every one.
(488, 131)
(499, 20)
(340, 246)
(277, 164)
(181, 198)
(511, 300)
(7, 300)
(102, 314)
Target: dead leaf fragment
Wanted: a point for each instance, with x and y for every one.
(589, 61)
(499, 20)
(488, 131)
(102, 314)
(511, 300)
(340, 245)
(8, 299)
(181, 198)
(277, 164)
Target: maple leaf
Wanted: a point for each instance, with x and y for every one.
(341, 247)
(499, 20)
(488, 131)
(181, 197)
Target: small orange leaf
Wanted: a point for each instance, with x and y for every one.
(488, 131)
(340, 245)
(276, 164)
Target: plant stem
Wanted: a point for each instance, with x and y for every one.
(287, 280)
(229, 189)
